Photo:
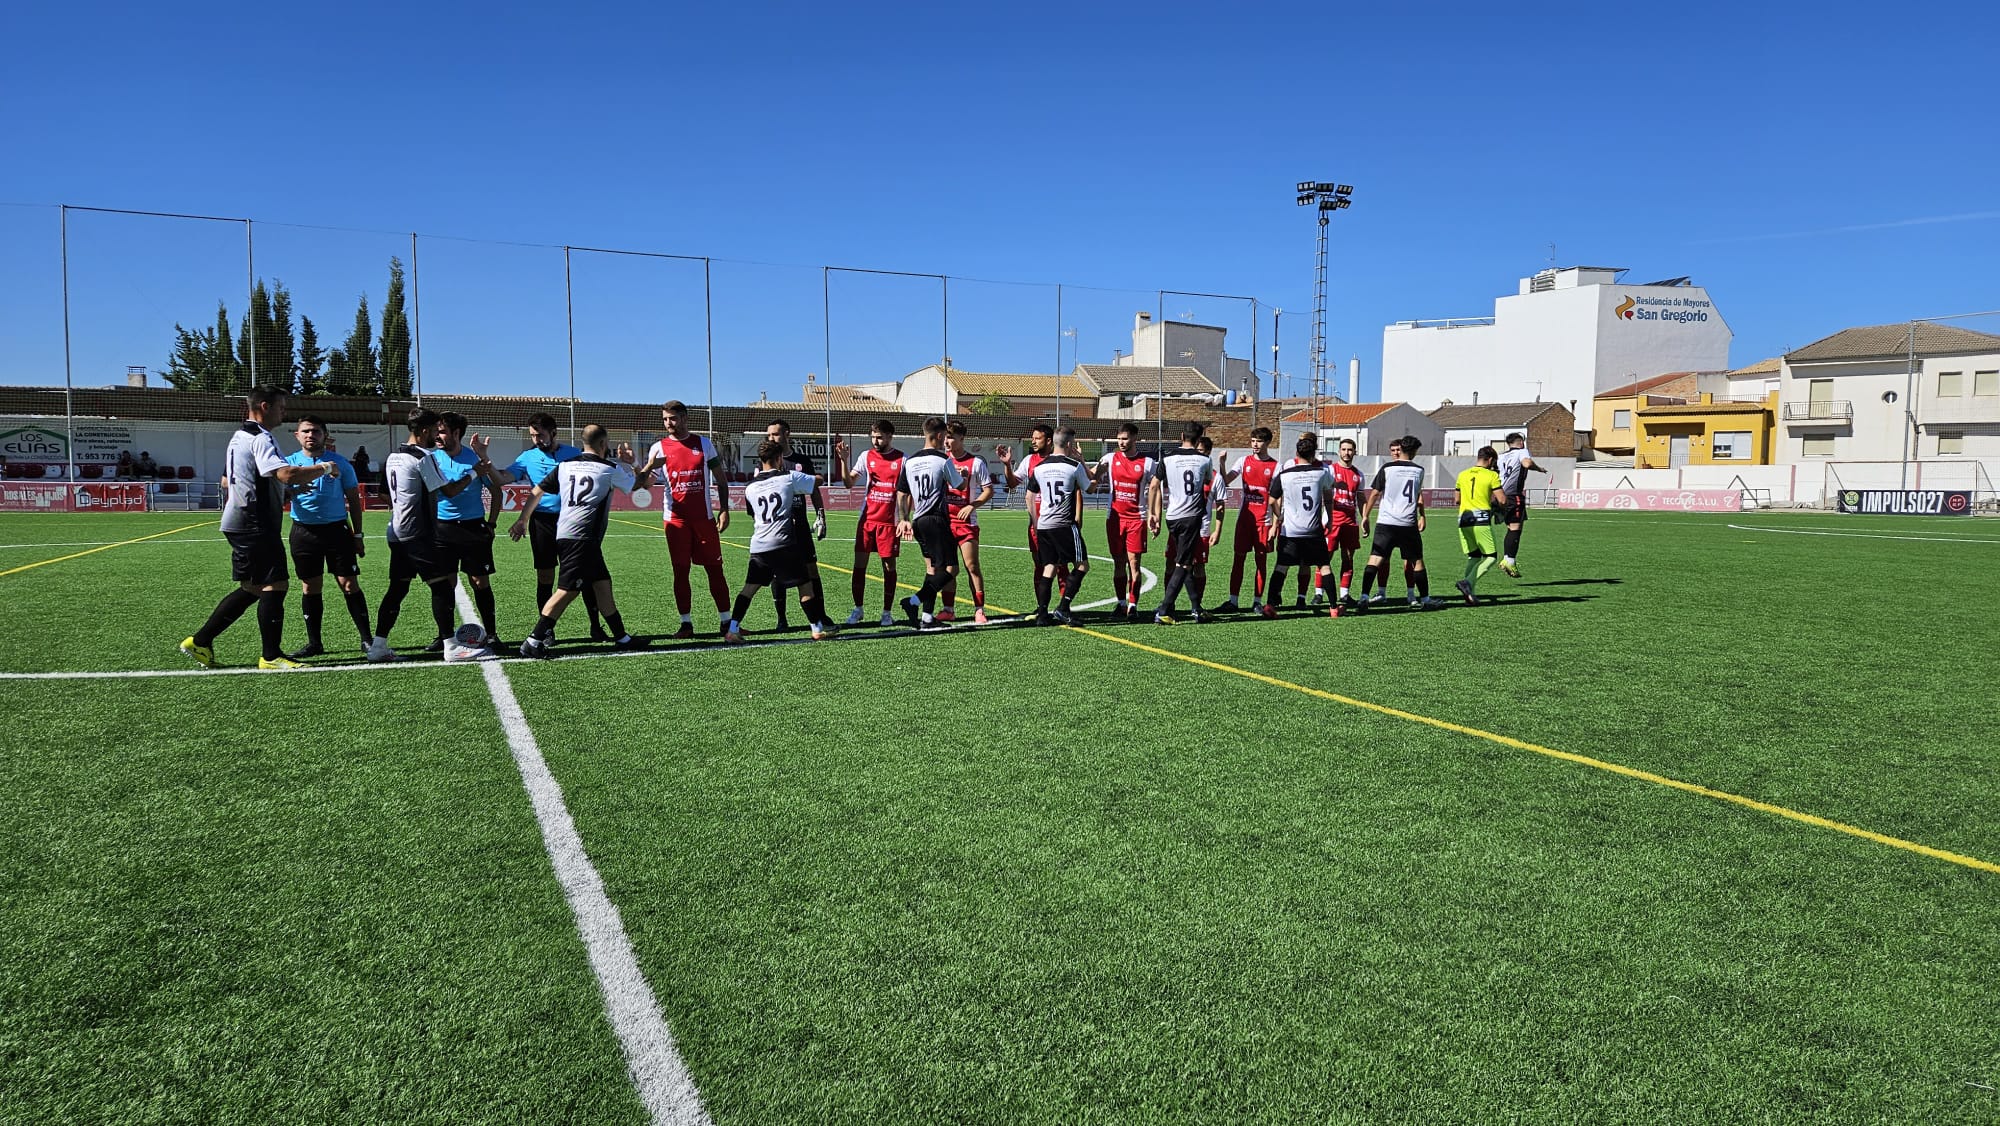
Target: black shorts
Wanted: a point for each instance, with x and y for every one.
(465, 545)
(1398, 537)
(1515, 511)
(413, 559)
(807, 547)
(257, 558)
(1185, 541)
(1060, 547)
(934, 539)
(324, 549)
(1303, 551)
(542, 538)
(580, 563)
(784, 567)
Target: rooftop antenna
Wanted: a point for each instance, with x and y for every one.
(1552, 256)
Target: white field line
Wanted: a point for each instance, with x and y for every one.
(1147, 579)
(1858, 535)
(656, 1067)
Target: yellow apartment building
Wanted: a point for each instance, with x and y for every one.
(1705, 432)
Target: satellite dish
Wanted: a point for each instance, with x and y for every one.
(1888, 396)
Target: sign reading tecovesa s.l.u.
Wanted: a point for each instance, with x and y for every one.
(1653, 500)
(1906, 502)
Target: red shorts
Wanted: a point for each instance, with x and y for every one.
(965, 533)
(1343, 534)
(693, 543)
(1125, 534)
(880, 538)
(1252, 533)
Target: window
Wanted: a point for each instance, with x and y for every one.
(1986, 383)
(1818, 445)
(1462, 447)
(1621, 420)
(1730, 445)
(1951, 442)
(1951, 384)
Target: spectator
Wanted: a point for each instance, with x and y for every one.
(146, 466)
(360, 463)
(125, 470)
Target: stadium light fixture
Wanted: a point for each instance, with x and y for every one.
(1326, 198)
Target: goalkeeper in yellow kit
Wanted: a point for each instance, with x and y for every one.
(1479, 495)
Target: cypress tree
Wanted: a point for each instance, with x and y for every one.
(395, 364)
(312, 358)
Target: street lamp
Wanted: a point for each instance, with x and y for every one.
(1327, 198)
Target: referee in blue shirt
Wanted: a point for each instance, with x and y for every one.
(534, 466)
(326, 539)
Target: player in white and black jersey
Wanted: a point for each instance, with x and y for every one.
(585, 485)
(780, 547)
(1301, 496)
(415, 481)
(1515, 465)
(1398, 493)
(1055, 508)
(252, 512)
(780, 431)
(923, 492)
(1184, 503)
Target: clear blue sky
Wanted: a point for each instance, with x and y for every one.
(1816, 167)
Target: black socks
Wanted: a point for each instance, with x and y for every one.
(226, 612)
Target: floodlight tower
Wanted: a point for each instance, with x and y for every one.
(1327, 198)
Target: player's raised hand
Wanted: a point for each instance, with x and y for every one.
(1004, 452)
(625, 453)
(479, 442)
(840, 448)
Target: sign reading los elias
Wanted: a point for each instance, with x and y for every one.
(1644, 307)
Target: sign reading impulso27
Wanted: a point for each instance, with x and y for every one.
(1906, 502)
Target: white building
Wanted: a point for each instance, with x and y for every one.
(1568, 334)
(1862, 395)
(1173, 344)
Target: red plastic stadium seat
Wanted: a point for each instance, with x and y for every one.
(14, 471)
(170, 487)
(90, 472)
(185, 472)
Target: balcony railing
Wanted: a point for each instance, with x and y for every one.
(1839, 410)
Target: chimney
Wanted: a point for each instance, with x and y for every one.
(1354, 379)
(1141, 321)
(1475, 398)
(135, 375)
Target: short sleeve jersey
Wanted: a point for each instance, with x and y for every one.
(585, 484)
(800, 463)
(1346, 500)
(928, 476)
(1255, 474)
(324, 499)
(412, 476)
(1400, 484)
(1058, 481)
(1187, 475)
(1128, 481)
(878, 473)
(972, 467)
(1304, 493)
(534, 466)
(686, 476)
(1475, 495)
(774, 498)
(256, 502)
(1513, 474)
(470, 502)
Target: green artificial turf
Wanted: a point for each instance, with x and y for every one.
(1025, 874)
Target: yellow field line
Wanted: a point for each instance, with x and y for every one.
(1520, 744)
(1566, 756)
(106, 547)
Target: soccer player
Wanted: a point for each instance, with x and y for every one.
(1182, 503)
(465, 520)
(415, 479)
(1055, 509)
(1479, 491)
(1041, 443)
(877, 470)
(695, 512)
(1132, 480)
(780, 549)
(252, 510)
(586, 483)
(1398, 490)
(923, 492)
(534, 465)
(1301, 496)
(1515, 465)
(326, 539)
(965, 501)
(780, 431)
(1343, 524)
(1253, 529)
